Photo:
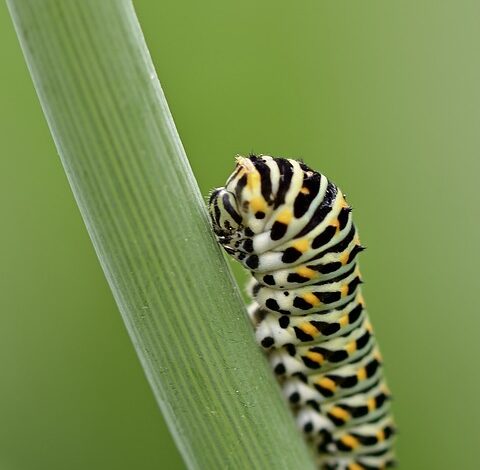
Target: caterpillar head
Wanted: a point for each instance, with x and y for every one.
(225, 215)
(240, 203)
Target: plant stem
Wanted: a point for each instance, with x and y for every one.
(147, 221)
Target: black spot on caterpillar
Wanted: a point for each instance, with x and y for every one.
(292, 229)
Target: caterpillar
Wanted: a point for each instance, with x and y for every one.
(292, 229)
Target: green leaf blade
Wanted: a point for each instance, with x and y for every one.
(147, 221)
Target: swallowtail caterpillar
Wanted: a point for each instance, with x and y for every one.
(292, 229)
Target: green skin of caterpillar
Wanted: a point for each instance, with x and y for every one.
(292, 229)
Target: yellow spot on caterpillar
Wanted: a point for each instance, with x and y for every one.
(336, 224)
(257, 204)
(349, 441)
(344, 290)
(361, 300)
(253, 178)
(301, 245)
(311, 299)
(362, 374)
(340, 413)
(315, 357)
(344, 258)
(327, 383)
(371, 404)
(380, 435)
(343, 320)
(354, 466)
(305, 191)
(351, 347)
(368, 327)
(306, 272)
(308, 328)
(285, 217)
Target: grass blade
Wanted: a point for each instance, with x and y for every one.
(147, 221)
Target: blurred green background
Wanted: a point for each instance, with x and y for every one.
(383, 97)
